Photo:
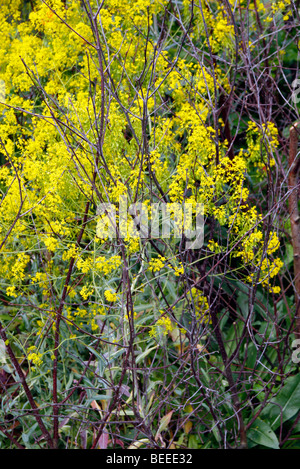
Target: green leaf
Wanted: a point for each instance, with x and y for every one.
(193, 442)
(233, 336)
(26, 435)
(285, 405)
(261, 433)
(163, 424)
(145, 353)
(243, 302)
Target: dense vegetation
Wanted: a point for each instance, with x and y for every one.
(144, 339)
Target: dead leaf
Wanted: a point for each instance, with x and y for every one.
(187, 427)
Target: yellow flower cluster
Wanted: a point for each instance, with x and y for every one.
(80, 316)
(107, 265)
(273, 243)
(110, 296)
(178, 270)
(223, 34)
(72, 252)
(17, 270)
(11, 291)
(200, 303)
(34, 356)
(214, 246)
(261, 144)
(86, 291)
(85, 265)
(162, 326)
(155, 265)
(42, 279)
(268, 270)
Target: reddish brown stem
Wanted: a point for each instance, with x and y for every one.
(293, 183)
(27, 391)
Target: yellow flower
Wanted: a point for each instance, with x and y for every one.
(85, 265)
(34, 356)
(178, 270)
(110, 296)
(155, 265)
(107, 265)
(85, 292)
(162, 325)
(11, 291)
(51, 243)
(275, 289)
